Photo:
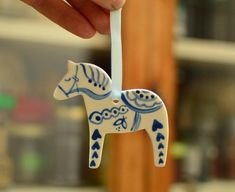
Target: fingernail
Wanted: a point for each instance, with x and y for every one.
(116, 4)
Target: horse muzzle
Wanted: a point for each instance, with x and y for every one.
(60, 94)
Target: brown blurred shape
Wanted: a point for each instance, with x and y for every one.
(148, 63)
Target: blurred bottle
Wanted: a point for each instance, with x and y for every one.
(27, 140)
(180, 28)
(206, 122)
(231, 21)
(13, 76)
(7, 103)
(229, 148)
(210, 19)
(12, 83)
(66, 143)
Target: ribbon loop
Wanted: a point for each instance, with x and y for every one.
(116, 53)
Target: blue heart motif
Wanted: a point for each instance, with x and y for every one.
(96, 135)
(95, 155)
(160, 161)
(92, 164)
(160, 137)
(160, 146)
(161, 154)
(156, 125)
(96, 146)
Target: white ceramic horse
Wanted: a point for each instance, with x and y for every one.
(137, 109)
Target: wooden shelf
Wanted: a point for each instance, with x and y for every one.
(215, 186)
(53, 189)
(205, 51)
(41, 31)
(37, 31)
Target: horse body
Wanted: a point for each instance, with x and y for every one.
(137, 109)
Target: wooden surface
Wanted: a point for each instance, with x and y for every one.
(205, 52)
(53, 189)
(148, 63)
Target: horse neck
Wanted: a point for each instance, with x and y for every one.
(87, 92)
(91, 103)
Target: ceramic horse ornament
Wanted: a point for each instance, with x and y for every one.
(137, 109)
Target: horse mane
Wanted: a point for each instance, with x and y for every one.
(96, 77)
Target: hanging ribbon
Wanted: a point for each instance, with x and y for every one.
(116, 53)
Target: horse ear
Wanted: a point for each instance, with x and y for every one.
(71, 65)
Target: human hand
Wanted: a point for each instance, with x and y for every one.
(81, 17)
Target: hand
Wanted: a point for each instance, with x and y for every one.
(80, 17)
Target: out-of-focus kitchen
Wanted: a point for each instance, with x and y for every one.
(44, 143)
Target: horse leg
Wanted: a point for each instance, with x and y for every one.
(96, 147)
(158, 134)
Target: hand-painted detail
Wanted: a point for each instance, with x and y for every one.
(92, 164)
(156, 125)
(95, 155)
(160, 137)
(145, 102)
(160, 146)
(75, 88)
(161, 154)
(97, 117)
(136, 122)
(86, 91)
(137, 109)
(96, 146)
(96, 81)
(96, 135)
(120, 123)
(161, 161)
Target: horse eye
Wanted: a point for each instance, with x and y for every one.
(96, 118)
(67, 79)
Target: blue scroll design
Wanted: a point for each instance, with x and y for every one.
(142, 99)
(120, 123)
(136, 122)
(96, 80)
(139, 110)
(97, 117)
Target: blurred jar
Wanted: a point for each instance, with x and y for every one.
(229, 147)
(7, 103)
(28, 140)
(13, 76)
(66, 143)
(211, 19)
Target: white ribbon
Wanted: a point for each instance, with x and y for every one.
(116, 53)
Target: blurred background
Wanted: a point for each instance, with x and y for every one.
(44, 143)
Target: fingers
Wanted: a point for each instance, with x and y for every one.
(64, 15)
(110, 4)
(96, 15)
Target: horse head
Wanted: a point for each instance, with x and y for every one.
(83, 79)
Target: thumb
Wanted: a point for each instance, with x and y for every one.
(110, 4)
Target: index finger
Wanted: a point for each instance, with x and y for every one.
(64, 15)
(110, 4)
